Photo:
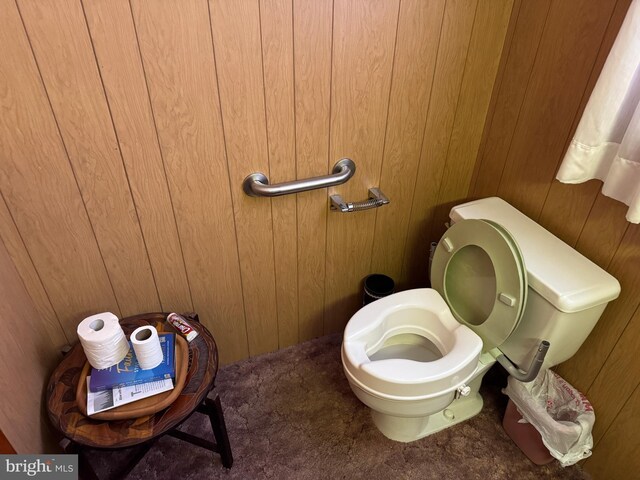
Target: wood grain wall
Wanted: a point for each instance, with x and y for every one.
(26, 367)
(128, 127)
(549, 67)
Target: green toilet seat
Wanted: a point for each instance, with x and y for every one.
(479, 271)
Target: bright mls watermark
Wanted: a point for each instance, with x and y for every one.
(52, 467)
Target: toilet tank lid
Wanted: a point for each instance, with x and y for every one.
(568, 280)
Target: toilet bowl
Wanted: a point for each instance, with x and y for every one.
(406, 356)
(501, 285)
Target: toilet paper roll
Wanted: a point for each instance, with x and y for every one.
(103, 340)
(146, 345)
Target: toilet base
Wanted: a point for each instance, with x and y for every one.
(409, 429)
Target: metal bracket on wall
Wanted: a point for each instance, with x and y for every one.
(376, 199)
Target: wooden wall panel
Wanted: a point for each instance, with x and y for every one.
(414, 63)
(603, 230)
(480, 71)
(27, 359)
(364, 35)
(114, 40)
(277, 52)
(521, 54)
(175, 41)
(616, 456)
(18, 253)
(455, 36)
(625, 266)
(237, 43)
(40, 189)
(63, 51)
(570, 44)
(167, 115)
(615, 371)
(313, 24)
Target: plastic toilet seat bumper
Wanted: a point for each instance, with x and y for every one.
(422, 312)
(478, 269)
(516, 249)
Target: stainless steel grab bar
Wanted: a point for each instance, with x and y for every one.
(257, 184)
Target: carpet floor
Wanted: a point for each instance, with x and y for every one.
(291, 415)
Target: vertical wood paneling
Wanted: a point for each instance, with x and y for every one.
(63, 50)
(582, 369)
(313, 23)
(565, 210)
(603, 230)
(40, 190)
(276, 18)
(364, 39)
(616, 456)
(114, 40)
(609, 401)
(531, 20)
(20, 256)
(570, 45)
(414, 63)
(516, 11)
(27, 364)
(481, 68)
(452, 52)
(236, 37)
(175, 42)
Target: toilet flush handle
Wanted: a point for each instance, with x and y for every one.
(464, 390)
(534, 368)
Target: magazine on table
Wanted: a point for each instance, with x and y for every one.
(108, 399)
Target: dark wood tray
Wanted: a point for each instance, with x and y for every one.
(146, 406)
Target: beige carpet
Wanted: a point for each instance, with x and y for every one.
(291, 415)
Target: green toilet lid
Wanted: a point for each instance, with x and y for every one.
(479, 271)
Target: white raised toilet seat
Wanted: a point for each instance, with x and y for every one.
(416, 377)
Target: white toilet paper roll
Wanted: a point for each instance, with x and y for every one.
(146, 345)
(103, 340)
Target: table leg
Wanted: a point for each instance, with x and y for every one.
(216, 417)
(86, 471)
(139, 455)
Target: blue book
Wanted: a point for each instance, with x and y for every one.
(128, 372)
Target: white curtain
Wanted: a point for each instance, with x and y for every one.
(606, 145)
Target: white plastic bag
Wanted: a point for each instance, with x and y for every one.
(562, 415)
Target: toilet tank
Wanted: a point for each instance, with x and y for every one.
(567, 292)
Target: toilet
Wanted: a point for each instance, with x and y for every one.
(503, 289)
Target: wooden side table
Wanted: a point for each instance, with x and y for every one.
(80, 431)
